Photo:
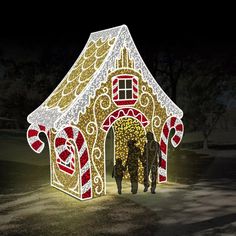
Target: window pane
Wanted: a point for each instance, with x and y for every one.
(122, 94)
(128, 83)
(128, 94)
(121, 83)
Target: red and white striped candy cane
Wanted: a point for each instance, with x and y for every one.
(33, 137)
(171, 123)
(65, 151)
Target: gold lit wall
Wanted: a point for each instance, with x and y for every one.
(90, 124)
(126, 129)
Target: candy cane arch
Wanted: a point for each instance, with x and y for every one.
(33, 137)
(171, 123)
(68, 141)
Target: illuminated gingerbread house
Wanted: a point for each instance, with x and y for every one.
(108, 89)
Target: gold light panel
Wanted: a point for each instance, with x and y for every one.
(80, 75)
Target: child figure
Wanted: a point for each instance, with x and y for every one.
(117, 172)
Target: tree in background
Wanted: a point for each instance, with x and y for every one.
(24, 85)
(199, 80)
(203, 88)
(18, 94)
(170, 64)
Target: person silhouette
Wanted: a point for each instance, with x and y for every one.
(150, 158)
(118, 172)
(134, 154)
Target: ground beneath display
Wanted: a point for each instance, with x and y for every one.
(196, 201)
(176, 209)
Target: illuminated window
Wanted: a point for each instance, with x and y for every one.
(125, 90)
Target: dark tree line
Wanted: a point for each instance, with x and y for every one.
(24, 85)
(199, 83)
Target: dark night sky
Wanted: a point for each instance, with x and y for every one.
(71, 24)
(26, 32)
(37, 31)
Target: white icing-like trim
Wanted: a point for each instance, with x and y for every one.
(57, 119)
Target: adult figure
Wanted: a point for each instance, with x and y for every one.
(134, 154)
(150, 158)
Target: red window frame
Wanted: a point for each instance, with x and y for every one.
(116, 90)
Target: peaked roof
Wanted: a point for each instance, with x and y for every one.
(73, 94)
(80, 75)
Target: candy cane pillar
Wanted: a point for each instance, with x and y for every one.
(69, 141)
(171, 123)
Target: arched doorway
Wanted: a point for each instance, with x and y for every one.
(125, 129)
(122, 130)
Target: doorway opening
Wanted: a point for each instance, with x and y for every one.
(120, 132)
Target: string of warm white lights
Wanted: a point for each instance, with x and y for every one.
(108, 86)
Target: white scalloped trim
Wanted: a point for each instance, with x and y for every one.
(57, 119)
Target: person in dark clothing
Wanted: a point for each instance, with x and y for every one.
(134, 154)
(117, 172)
(150, 158)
